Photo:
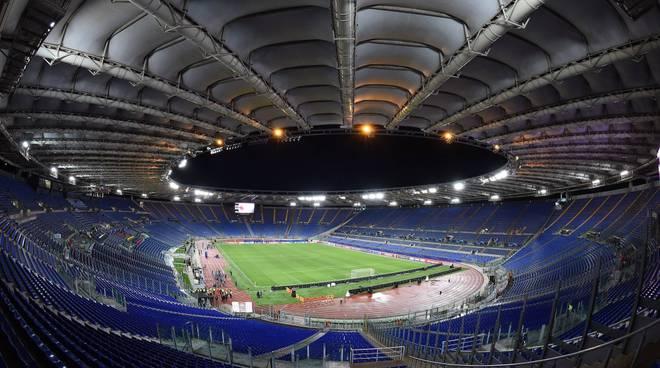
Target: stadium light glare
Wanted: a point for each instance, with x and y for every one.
(433, 190)
(595, 182)
(428, 202)
(176, 198)
(357, 204)
(174, 185)
(367, 129)
(543, 191)
(219, 142)
(144, 195)
(278, 132)
(495, 197)
(183, 163)
(72, 180)
(393, 204)
(25, 144)
(458, 186)
(317, 204)
(496, 147)
(373, 196)
(313, 198)
(455, 201)
(202, 193)
(292, 204)
(53, 172)
(52, 24)
(624, 173)
(119, 192)
(448, 137)
(198, 200)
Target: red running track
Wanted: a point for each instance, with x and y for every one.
(402, 300)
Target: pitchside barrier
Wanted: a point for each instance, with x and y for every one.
(357, 279)
(406, 281)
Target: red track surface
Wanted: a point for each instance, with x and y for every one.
(410, 298)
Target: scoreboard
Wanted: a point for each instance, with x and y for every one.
(244, 208)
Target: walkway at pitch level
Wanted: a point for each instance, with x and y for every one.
(215, 263)
(443, 291)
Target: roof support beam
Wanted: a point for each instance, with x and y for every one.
(632, 49)
(102, 120)
(512, 16)
(38, 130)
(83, 97)
(344, 24)
(577, 103)
(98, 64)
(577, 123)
(174, 20)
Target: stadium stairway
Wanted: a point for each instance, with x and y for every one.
(291, 349)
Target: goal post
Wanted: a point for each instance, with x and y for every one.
(362, 272)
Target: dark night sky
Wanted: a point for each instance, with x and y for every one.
(338, 163)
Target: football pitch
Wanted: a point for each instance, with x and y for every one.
(260, 266)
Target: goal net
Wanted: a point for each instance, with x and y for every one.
(362, 272)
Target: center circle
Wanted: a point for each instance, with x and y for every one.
(336, 162)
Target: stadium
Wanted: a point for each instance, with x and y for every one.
(330, 183)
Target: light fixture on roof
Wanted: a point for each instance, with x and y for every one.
(51, 25)
(433, 190)
(72, 180)
(144, 195)
(342, 197)
(174, 185)
(393, 204)
(119, 192)
(53, 172)
(357, 204)
(624, 173)
(495, 197)
(448, 137)
(459, 185)
(496, 147)
(373, 196)
(278, 132)
(317, 204)
(428, 202)
(292, 204)
(25, 144)
(312, 198)
(455, 201)
(198, 200)
(202, 193)
(183, 163)
(543, 191)
(176, 198)
(367, 129)
(219, 142)
(595, 182)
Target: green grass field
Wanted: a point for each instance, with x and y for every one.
(258, 267)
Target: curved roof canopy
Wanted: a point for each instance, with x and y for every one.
(116, 92)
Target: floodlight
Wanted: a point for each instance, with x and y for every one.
(455, 201)
(458, 186)
(183, 163)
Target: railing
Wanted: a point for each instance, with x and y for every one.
(424, 363)
(370, 355)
